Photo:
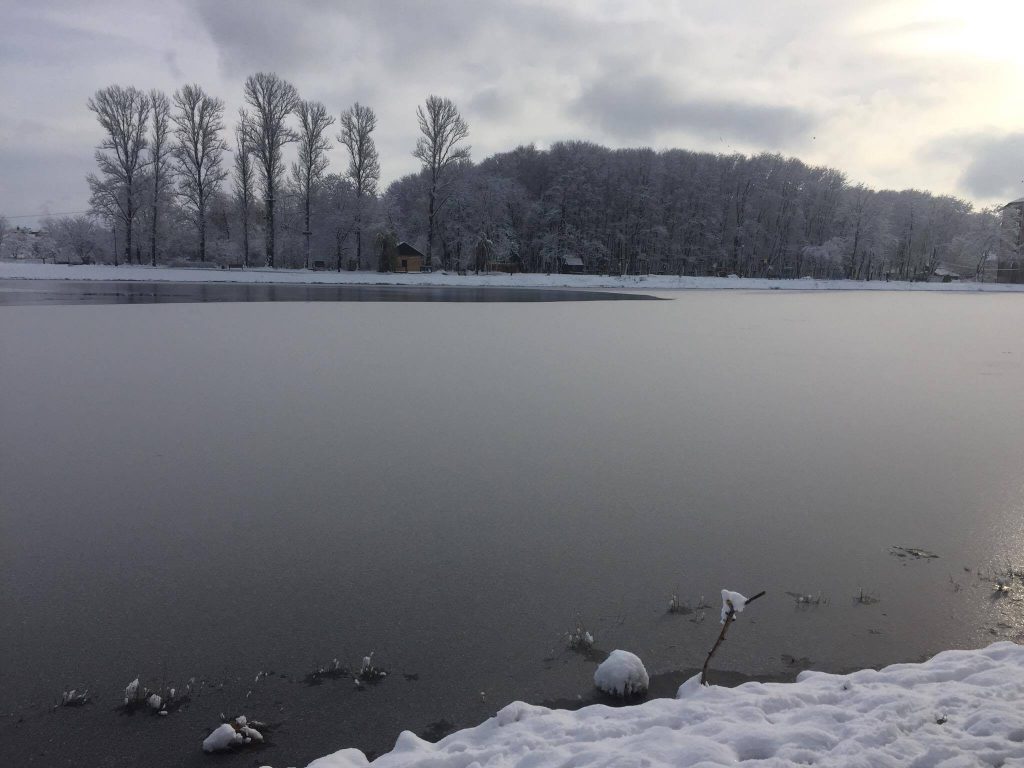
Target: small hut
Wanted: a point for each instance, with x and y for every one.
(573, 265)
(408, 259)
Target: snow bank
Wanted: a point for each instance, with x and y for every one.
(622, 674)
(961, 708)
(36, 271)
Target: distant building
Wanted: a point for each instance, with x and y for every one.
(943, 275)
(408, 259)
(573, 265)
(1010, 267)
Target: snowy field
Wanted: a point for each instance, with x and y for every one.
(35, 271)
(961, 708)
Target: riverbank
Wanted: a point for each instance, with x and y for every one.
(959, 708)
(36, 271)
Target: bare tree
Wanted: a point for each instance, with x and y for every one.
(199, 120)
(308, 172)
(443, 128)
(159, 160)
(272, 100)
(123, 113)
(357, 126)
(244, 176)
(4, 228)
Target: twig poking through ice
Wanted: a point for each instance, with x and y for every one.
(806, 599)
(732, 603)
(580, 638)
(73, 698)
(368, 673)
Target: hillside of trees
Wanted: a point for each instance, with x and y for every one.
(176, 184)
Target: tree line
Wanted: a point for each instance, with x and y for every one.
(170, 188)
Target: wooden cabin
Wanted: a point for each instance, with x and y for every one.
(572, 264)
(408, 259)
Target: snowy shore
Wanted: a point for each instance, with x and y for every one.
(36, 271)
(961, 708)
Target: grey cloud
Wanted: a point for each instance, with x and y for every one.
(639, 108)
(992, 164)
(996, 168)
(489, 103)
(318, 35)
(267, 35)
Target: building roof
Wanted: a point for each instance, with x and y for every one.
(404, 249)
(1013, 203)
(572, 261)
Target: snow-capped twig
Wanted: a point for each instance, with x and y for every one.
(732, 603)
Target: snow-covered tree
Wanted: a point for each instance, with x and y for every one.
(124, 114)
(308, 170)
(272, 100)
(442, 130)
(244, 179)
(357, 125)
(160, 168)
(199, 152)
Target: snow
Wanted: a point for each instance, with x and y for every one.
(37, 271)
(737, 600)
(224, 737)
(961, 708)
(622, 674)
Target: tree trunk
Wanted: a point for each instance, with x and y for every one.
(152, 238)
(128, 234)
(245, 234)
(202, 227)
(430, 224)
(359, 229)
(307, 232)
(269, 234)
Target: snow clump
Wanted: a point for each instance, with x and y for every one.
(622, 674)
(235, 733)
(737, 600)
(224, 737)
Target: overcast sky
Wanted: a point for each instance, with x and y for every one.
(901, 93)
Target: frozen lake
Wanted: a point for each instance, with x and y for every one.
(219, 489)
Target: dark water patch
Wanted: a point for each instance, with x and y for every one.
(71, 292)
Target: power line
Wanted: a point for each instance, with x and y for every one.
(42, 215)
